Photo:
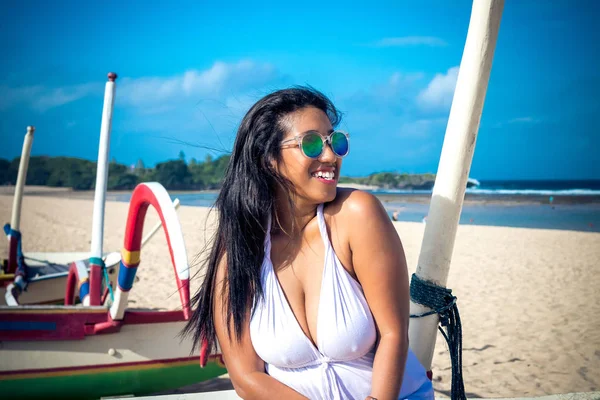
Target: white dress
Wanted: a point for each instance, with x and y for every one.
(341, 365)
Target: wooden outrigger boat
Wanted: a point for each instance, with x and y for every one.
(40, 278)
(99, 347)
(86, 352)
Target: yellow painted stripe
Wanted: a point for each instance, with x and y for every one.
(7, 276)
(97, 369)
(130, 258)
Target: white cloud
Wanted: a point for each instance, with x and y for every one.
(219, 81)
(153, 95)
(59, 96)
(10, 96)
(43, 98)
(439, 92)
(405, 41)
(394, 94)
(398, 85)
(399, 79)
(198, 107)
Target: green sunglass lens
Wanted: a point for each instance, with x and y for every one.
(312, 145)
(339, 144)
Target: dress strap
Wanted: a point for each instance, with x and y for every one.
(323, 226)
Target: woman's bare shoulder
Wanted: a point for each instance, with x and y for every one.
(355, 204)
(355, 210)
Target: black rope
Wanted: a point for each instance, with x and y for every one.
(442, 302)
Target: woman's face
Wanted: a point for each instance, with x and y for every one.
(311, 177)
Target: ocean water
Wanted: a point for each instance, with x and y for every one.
(545, 204)
(552, 213)
(575, 217)
(539, 187)
(523, 188)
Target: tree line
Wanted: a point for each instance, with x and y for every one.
(395, 180)
(80, 174)
(176, 174)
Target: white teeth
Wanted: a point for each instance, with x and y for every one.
(324, 175)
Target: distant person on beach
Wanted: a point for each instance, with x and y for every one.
(396, 213)
(306, 287)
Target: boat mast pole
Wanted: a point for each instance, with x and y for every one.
(96, 263)
(453, 169)
(15, 221)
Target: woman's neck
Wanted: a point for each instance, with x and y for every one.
(292, 221)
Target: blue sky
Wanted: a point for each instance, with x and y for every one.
(190, 70)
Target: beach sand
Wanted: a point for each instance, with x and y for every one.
(528, 298)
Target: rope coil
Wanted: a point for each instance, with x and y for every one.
(442, 302)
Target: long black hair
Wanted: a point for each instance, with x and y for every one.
(244, 204)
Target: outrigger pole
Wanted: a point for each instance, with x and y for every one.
(15, 223)
(96, 262)
(454, 166)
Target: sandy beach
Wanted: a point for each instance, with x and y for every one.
(528, 298)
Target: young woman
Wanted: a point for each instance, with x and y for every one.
(306, 288)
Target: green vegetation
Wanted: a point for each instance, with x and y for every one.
(81, 174)
(173, 174)
(394, 180)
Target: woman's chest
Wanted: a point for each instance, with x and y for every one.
(299, 269)
(301, 261)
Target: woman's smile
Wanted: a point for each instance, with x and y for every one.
(325, 175)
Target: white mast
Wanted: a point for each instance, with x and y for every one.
(454, 166)
(15, 221)
(100, 193)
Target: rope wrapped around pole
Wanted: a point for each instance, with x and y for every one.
(441, 301)
(21, 278)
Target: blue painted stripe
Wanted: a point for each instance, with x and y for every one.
(84, 290)
(126, 276)
(27, 326)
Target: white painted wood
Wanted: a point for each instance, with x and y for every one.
(173, 229)
(38, 258)
(133, 343)
(102, 170)
(15, 222)
(158, 225)
(455, 163)
(51, 288)
(9, 296)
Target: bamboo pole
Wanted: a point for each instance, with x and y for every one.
(454, 166)
(100, 193)
(15, 221)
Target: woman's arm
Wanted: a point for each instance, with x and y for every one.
(245, 368)
(380, 266)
